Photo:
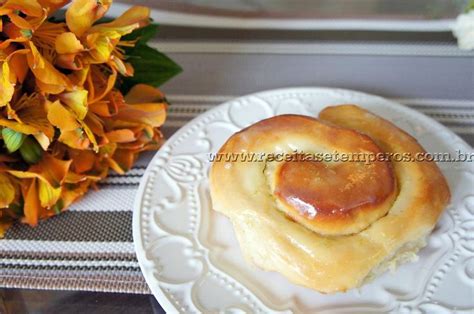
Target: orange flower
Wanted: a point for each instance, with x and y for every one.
(82, 14)
(27, 115)
(24, 15)
(64, 122)
(102, 41)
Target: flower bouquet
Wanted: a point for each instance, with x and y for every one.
(78, 99)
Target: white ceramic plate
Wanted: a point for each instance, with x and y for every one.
(190, 257)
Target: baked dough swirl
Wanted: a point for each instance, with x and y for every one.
(327, 224)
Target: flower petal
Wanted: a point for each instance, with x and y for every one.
(47, 194)
(49, 88)
(30, 118)
(70, 195)
(143, 93)
(123, 68)
(75, 139)
(68, 43)
(94, 123)
(29, 8)
(61, 118)
(35, 116)
(100, 108)
(153, 114)
(7, 88)
(52, 5)
(101, 47)
(17, 33)
(20, 22)
(102, 88)
(19, 65)
(82, 160)
(83, 13)
(79, 77)
(121, 136)
(49, 169)
(32, 205)
(124, 158)
(135, 17)
(45, 72)
(53, 170)
(18, 127)
(90, 135)
(77, 101)
(69, 61)
(115, 166)
(43, 140)
(6, 43)
(7, 191)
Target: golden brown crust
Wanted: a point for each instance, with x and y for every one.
(244, 191)
(330, 198)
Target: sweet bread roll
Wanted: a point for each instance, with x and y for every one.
(324, 222)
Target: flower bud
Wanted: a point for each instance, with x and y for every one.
(31, 151)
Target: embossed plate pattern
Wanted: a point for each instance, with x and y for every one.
(191, 259)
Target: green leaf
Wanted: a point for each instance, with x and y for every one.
(31, 151)
(13, 140)
(150, 67)
(142, 35)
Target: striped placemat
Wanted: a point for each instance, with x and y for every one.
(90, 247)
